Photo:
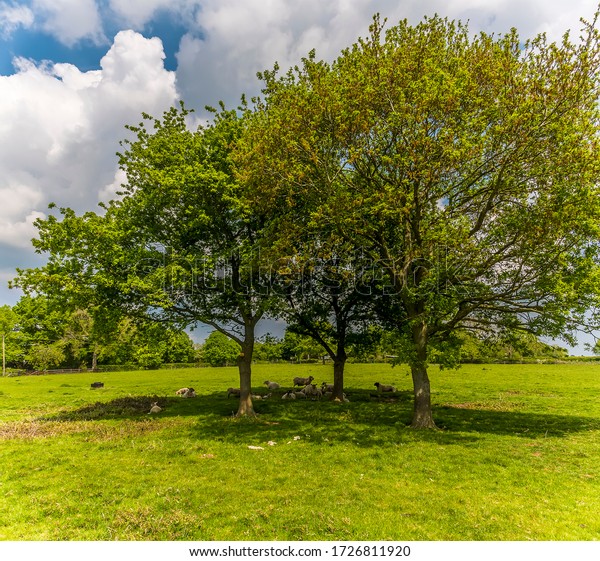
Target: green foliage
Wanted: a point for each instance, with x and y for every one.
(219, 350)
(467, 168)
(44, 357)
(51, 336)
(176, 247)
(268, 348)
(297, 347)
(8, 320)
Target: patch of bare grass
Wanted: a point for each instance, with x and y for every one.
(489, 405)
(21, 430)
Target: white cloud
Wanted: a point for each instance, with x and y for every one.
(111, 190)
(20, 234)
(13, 16)
(70, 20)
(17, 200)
(60, 128)
(230, 40)
(137, 13)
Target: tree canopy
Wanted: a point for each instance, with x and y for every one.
(463, 170)
(467, 168)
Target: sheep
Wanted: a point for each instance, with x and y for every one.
(190, 393)
(258, 397)
(97, 385)
(299, 381)
(271, 385)
(155, 408)
(383, 388)
(182, 391)
(312, 391)
(290, 394)
(235, 392)
(325, 387)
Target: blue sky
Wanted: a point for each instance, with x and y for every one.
(73, 73)
(37, 44)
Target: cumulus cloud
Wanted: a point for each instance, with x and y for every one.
(13, 16)
(70, 21)
(137, 13)
(230, 40)
(19, 234)
(60, 127)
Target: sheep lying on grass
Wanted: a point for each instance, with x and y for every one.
(155, 408)
(311, 390)
(186, 392)
(299, 381)
(290, 394)
(325, 387)
(381, 388)
(182, 391)
(235, 392)
(258, 397)
(271, 385)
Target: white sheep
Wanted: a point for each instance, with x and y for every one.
(155, 408)
(181, 391)
(290, 394)
(271, 385)
(258, 397)
(312, 391)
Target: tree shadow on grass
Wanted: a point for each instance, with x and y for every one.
(131, 407)
(368, 420)
(512, 423)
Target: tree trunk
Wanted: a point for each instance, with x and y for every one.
(94, 361)
(246, 409)
(339, 363)
(422, 413)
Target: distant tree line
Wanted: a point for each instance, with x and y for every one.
(219, 350)
(41, 335)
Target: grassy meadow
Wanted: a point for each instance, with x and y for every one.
(517, 457)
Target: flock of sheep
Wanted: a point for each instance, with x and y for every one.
(308, 390)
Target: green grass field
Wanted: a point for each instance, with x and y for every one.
(518, 457)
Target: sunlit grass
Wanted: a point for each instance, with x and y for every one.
(516, 457)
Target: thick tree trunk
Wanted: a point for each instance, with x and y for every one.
(422, 413)
(246, 408)
(339, 363)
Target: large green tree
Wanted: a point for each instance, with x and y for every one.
(467, 167)
(177, 246)
(219, 350)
